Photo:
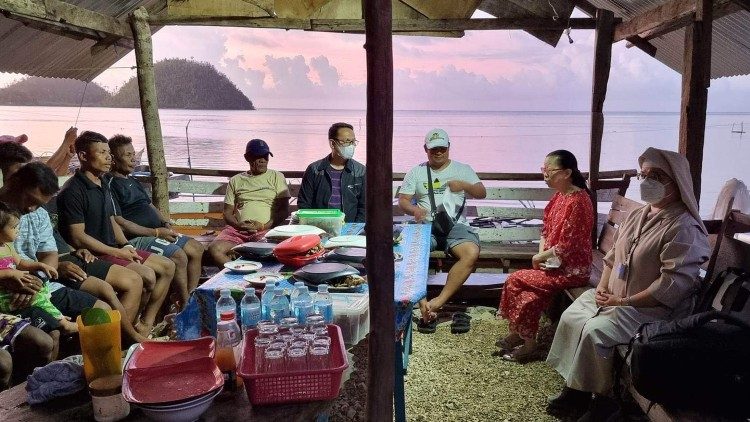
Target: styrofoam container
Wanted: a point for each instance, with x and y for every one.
(351, 312)
(330, 220)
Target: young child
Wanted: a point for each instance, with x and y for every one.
(42, 313)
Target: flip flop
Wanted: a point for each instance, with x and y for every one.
(461, 323)
(525, 357)
(427, 327)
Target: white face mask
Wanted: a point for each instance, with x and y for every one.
(346, 152)
(652, 191)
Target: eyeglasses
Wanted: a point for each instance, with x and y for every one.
(346, 142)
(438, 150)
(547, 171)
(653, 176)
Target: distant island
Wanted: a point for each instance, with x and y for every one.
(180, 83)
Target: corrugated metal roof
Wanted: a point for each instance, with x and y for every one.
(34, 52)
(38, 53)
(730, 49)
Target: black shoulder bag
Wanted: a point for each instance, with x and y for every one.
(442, 222)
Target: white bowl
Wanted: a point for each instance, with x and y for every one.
(188, 403)
(185, 412)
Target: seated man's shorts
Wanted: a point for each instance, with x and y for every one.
(71, 302)
(123, 263)
(459, 234)
(39, 318)
(159, 246)
(10, 327)
(232, 235)
(98, 268)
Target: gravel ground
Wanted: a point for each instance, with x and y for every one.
(456, 378)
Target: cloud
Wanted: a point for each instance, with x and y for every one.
(486, 70)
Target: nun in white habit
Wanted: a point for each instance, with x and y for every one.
(650, 274)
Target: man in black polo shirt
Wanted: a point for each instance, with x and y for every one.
(86, 220)
(145, 227)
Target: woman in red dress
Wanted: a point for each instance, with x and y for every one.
(563, 261)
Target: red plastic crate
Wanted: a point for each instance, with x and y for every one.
(298, 386)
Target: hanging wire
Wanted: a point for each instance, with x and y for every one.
(81, 104)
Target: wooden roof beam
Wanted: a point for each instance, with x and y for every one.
(634, 41)
(67, 19)
(399, 25)
(745, 4)
(668, 17)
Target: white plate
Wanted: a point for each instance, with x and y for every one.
(348, 240)
(260, 279)
(243, 267)
(293, 230)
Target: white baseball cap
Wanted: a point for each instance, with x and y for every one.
(437, 138)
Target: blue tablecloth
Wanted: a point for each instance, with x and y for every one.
(198, 317)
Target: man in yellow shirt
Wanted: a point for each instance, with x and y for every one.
(256, 201)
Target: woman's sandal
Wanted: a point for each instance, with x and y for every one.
(521, 357)
(461, 323)
(506, 345)
(427, 327)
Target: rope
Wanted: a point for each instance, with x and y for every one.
(81, 104)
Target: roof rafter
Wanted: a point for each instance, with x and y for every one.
(399, 25)
(634, 41)
(66, 19)
(668, 17)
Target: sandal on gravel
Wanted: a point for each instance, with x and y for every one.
(521, 357)
(427, 327)
(461, 323)
(505, 344)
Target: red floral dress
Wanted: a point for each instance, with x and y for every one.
(568, 222)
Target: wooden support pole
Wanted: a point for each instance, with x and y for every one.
(696, 78)
(380, 266)
(602, 60)
(144, 59)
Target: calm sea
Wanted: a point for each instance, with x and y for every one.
(489, 141)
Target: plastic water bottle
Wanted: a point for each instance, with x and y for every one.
(225, 304)
(228, 337)
(295, 292)
(279, 306)
(265, 299)
(323, 304)
(250, 309)
(302, 306)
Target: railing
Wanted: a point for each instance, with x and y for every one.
(205, 209)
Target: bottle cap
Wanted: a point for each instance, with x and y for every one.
(250, 291)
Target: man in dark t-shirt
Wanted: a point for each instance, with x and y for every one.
(86, 220)
(145, 227)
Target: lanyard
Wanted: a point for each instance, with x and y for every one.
(637, 238)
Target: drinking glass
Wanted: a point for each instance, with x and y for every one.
(261, 345)
(296, 359)
(321, 341)
(318, 357)
(314, 319)
(274, 361)
(299, 342)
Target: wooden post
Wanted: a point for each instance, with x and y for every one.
(144, 59)
(696, 78)
(602, 60)
(380, 266)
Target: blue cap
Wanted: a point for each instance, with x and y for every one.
(258, 148)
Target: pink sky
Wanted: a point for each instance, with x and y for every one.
(484, 70)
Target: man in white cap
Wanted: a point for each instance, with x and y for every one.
(450, 181)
